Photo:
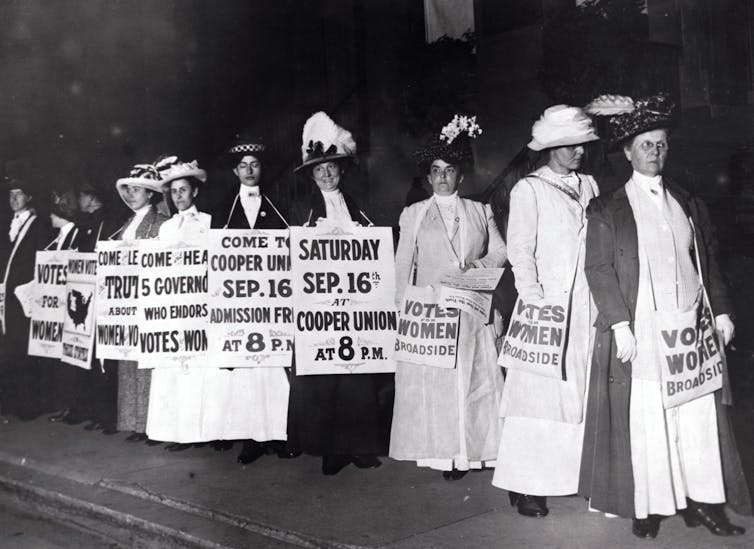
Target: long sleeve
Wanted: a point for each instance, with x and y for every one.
(600, 270)
(522, 240)
(497, 252)
(718, 292)
(404, 254)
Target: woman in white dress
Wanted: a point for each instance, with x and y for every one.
(543, 428)
(446, 419)
(176, 397)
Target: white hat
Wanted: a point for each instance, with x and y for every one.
(141, 175)
(323, 140)
(173, 169)
(561, 126)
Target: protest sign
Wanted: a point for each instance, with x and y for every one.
(536, 338)
(250, 303)
(691, 362)
(117, 330)
(172, 304)
(343, 283)
(48, 305)
(78, 326)
(427, 332)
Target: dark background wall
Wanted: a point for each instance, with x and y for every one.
(90, 87)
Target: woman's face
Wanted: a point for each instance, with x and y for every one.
(444, 178)
(182, 194)
(564, 160)
(137, 197)
(326, 175)
(249, 170)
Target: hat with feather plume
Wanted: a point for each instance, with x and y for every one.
(322, 140)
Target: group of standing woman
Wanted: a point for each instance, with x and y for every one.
(599, 430)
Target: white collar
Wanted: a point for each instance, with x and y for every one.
(65, 229)
(331, 195)
(141, 212)
(23, 215)
(191, 210)
(446, 200)
(246, 190)
(649, 184)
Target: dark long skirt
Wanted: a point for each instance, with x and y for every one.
(334, 415)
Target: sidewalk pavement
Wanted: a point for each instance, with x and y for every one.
(203, 498)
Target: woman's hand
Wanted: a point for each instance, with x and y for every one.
(725, 327)
(625, 344)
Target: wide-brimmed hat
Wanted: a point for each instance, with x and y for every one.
(146, 176)
(452, 144)
(649, 113)
(561, 126)
(171, 168)
(322, 140)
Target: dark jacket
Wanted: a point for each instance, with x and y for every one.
(612, 270)
(149, 226)
(94, 226)
(314, 208)
(18, 270)
(231, 213)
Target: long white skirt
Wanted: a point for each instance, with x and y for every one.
(446, 418)
(199, 405)
(539, 457)
(675, 453)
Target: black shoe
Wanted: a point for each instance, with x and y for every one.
(454, 474)
(710, 516)
(60, 416)
(222, 445)
(150, 442)
(368, 461)
(93, 426)
(529, 506)
(110, 431)
(177, 447)
(332, 465)
(136, 437)
(251, 451)
(279, 448)
(646, 528)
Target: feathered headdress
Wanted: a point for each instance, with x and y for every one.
(323, 140)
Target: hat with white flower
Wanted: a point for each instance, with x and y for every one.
(452, 144)
(322, 140)
(561, 126)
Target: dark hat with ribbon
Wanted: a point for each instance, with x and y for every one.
(629, 118)
(452, 144)
(244, 143)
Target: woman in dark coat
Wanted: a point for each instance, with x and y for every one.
(333, 416)
(615, 472)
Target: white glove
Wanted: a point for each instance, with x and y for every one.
(725, 328)
(625, 344)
